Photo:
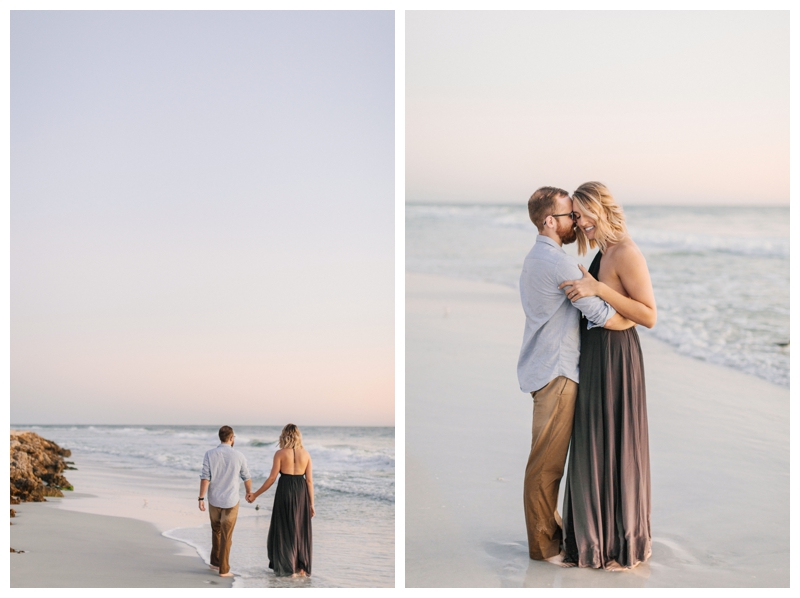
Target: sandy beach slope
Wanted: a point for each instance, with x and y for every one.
(69, 549)
(719, 443)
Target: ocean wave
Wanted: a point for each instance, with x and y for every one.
(256, 442)
(495, 215)
(352, 458)
(654, 240)
(370, 492)
(358, 463)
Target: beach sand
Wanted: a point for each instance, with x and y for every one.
(719, 450)
(71, 549)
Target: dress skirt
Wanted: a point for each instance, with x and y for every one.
(606, 514)
(289, 537)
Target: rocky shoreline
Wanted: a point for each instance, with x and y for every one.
(36, 468)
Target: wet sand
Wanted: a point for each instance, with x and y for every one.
(70, 549)
(719, 446)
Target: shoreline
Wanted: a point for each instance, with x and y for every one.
(719, 444)
(66, 548)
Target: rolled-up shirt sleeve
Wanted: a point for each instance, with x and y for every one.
(205, 474)
(244, 473)
(597, 311)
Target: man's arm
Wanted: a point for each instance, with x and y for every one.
(205, 478)
(595, 309)
(244, 473)
(203, 489)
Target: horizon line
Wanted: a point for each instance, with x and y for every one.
(14, 426)
(649, 205)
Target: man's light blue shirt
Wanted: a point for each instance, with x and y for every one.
(222, 467)
(551, 344)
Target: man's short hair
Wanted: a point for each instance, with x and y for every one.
(543, 203)
(225, 433)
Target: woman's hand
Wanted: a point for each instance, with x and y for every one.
(588, 286)
(313, 512)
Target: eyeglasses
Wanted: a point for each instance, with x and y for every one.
(574, 215)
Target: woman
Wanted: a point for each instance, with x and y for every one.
(289, 537)
(606, 513)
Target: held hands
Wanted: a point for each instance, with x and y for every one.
(250, 496)
(588, 286)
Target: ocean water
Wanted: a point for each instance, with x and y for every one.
(353, 530)
(720, 274)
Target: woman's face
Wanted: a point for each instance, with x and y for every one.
(586, 222)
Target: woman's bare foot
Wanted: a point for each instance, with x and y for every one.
(559, 560)
(614, 566)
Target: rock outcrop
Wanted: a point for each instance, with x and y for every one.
(36, 466)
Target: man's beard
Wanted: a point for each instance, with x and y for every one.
(567, 234)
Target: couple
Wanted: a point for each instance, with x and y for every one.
(289, 536)
(580, 323)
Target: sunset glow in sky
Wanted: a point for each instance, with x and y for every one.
(686, 107)
(202, 217)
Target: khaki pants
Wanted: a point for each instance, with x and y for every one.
(222, 522)
(553, 410)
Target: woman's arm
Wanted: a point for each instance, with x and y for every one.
(310, 482)
(631, 269)
(276, 469)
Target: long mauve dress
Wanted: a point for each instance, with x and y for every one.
(289, 536)
(606, 515)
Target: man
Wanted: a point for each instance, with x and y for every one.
(222, 467)
(548, 361)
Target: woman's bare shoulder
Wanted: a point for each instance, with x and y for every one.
(625, 251)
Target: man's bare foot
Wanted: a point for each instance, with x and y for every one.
(214, 567)
(559, 560)
(228, 574)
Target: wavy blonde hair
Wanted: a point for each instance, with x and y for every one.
(290, 437)
(596, 200)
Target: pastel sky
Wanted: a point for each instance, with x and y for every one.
(663, 107)
(202, 217)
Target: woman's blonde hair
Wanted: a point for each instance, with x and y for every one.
(290, 437)
(596, 200)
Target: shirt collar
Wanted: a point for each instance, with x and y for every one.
(549, 241)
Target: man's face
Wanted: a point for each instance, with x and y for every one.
(565, 225)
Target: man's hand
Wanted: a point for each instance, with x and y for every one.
(249, 497)
(588, 286)
(202, 505)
